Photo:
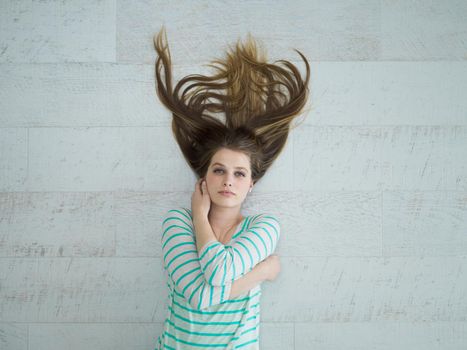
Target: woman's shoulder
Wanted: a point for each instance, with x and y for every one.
(181, 213)
(176, 220)
(265, 217)
(266, 220)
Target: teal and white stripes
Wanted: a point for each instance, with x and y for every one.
(200, 314)
(224, 264)
(182, 264)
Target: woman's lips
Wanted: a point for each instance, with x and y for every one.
(227, 194)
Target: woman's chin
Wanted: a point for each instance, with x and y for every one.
(224, 202)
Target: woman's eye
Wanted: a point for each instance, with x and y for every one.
(238, 172)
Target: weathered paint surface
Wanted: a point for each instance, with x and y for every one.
(371, 188)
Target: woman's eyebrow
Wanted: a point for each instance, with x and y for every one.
(237, 167)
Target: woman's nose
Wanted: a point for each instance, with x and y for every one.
(227, 180)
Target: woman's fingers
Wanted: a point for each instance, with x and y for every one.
(197, 185)
(204, 187)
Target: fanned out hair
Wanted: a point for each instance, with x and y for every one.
(259, 100)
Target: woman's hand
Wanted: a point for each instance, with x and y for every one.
(200, 199)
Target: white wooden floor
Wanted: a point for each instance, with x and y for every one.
(371, 188)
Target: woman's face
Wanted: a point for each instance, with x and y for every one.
(231, 168)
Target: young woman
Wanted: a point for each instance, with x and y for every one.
(215, 258)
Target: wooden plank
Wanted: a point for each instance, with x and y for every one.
(80, 95)
(328, 31)
(14, 336)
(13, 159)
(57, 224)
(418, 31)
(423, 223)
(48, 31)
(102, 336)
(82, 290)
(368, 289)
(380, 335)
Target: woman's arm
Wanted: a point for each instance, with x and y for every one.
(223, 264)
(181, 262)
(267, 270)
(199, 200)
(242, 285)
(203, 231)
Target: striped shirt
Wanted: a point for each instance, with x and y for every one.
(200, 314)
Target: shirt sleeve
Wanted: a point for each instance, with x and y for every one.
(223, 264)
(181, 262)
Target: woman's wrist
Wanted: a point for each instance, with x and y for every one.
(197, 217)
(203, 232)
(196, 214)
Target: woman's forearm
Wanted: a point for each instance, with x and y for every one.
(203, 231)
(248, 281)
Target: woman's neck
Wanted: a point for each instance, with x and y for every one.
(223, 218)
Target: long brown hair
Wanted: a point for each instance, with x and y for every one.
(259, 103)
